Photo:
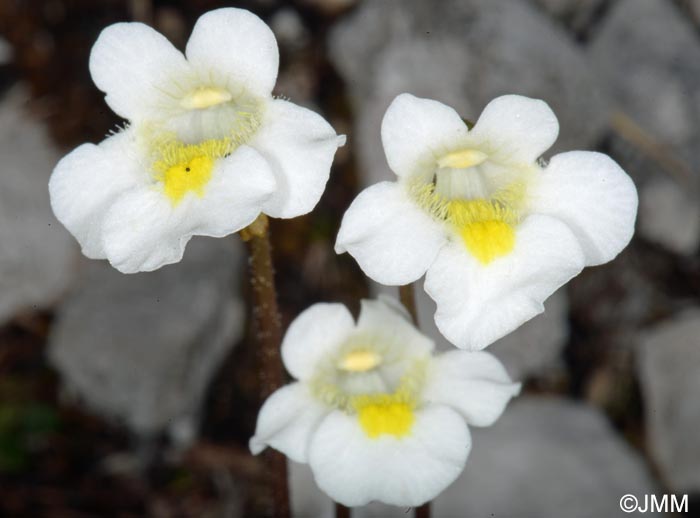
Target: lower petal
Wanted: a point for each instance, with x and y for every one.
(390, 237)
(142, 231)
(477, 304)
(287, 421)
(85, 183)
(239, 188)
(354, 469)
(299, 146)
(593, 195)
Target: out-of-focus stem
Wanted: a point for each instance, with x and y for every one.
(408, 299)
(268, 333)
(407, 295)
(341, 511)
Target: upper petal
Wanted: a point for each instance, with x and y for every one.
(316, 332)
(240, 186)
(135, 65)
(237, 44)
(593, 195)
(286, 422)
(417, 131)
(516, 129)
(85, 183)
(385, 314)
(299, 146)
(391, 238)
(408, 471)
(478, 304)
(474, 383)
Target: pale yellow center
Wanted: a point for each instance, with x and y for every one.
(360, 360)
(205, 97)
(462, 159)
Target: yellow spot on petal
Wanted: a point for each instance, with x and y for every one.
(205, 97)
(384, 414)
(184, 168)
(462, 159)
(487, 227)
(360, 360)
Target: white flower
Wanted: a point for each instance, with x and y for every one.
(207, 150)
(496, 230)
(374, 413)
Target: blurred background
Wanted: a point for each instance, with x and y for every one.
(134, 396)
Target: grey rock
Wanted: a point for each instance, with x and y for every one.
(668, 364)
(142, 348)
(668, 215)
(462, 53)
(650, 55)
(545, 457)
(37, 254)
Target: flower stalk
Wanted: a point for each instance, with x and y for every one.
(407, 296)
(268, 333)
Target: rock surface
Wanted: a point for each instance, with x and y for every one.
(142, 348)
(669, 216)
(649, 53)
(668, 364)
(37, 253)
(544, 457)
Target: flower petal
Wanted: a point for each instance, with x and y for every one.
(239, 188)
(383, 315)
(593, 195)
(287, 421)
(408, 471)
(299, 145)
(390, 237)
(516, 129)
(475, 384)
(317, 331)
(238, 44)
(143, 231)
(417, 131)
(133, 64)
(478, 304)
(85, 183)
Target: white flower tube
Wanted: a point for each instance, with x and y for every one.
(207, 150)
(494, 230)
(373, 412)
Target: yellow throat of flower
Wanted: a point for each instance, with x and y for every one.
(184, 168)
(486, 226)
(384, 414)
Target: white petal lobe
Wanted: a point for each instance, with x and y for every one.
(287, 422)
(238, 44)
(591, 194)
(516, 129)
(315, 333)
(299, 146)
(135, 66)
(417, 132)
(473, 383)
(478, 304)
(408, 471)
(391, 238)
(83, 186)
